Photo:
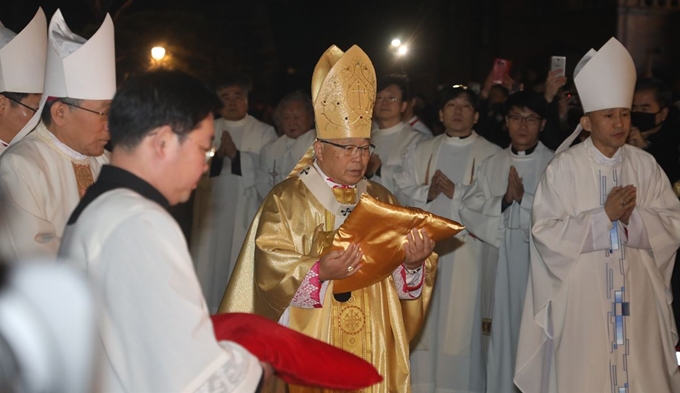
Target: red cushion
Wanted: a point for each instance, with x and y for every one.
(298, 359)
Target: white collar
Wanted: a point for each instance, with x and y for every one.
(458, 141)
(601, 158)
(237, 123)
(328, 180)
(65, 149)
(390, 130)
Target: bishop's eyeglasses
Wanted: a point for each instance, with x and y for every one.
(33, 110)
(351, 150)
(103, 114)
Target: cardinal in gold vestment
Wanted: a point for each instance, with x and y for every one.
(279, 270)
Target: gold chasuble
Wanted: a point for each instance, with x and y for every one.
(284, 242)
(297, 221)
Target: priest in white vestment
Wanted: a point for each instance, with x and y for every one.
(606, 227)
(47, 172)
(295, 117)
(393, 137)
(497, 209)
(226, 198)
(449, 355)
(154, 328)
(22, 76)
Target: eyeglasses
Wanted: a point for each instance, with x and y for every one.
(209, 153)
(22, 104)
(530, 120)
(351, 150)
(104, 114)
(388, 99)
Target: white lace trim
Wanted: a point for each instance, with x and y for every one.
(307, 294)
(403, 279)
(231, 375)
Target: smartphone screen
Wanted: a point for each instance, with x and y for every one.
(558, 63)
(501, 68)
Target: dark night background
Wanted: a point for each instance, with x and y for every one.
(277, 42)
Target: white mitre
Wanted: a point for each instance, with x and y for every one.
(79, 68)
(76, 67)
(22, 56)
(604, 79)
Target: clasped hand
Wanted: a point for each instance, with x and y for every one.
(440, 184)
(515, 189)
(620, 203)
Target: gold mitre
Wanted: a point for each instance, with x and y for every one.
(343, 93)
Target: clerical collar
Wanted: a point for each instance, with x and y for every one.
(460, 140)
(523, 153)
(390, 130)
(600, 158)
(65, 149)
(111, 178)
(236, 123)
(329, 181)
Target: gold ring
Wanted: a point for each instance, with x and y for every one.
(349, 269)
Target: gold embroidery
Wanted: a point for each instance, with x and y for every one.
(346, 196)
(84, 177)
(351, 320)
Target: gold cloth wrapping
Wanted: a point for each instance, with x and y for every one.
(280, 248)
(380, 229)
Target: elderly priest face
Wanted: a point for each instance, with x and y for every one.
(344, 160)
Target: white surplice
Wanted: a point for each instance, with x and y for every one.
(155, 333)
(40, 183)
(278, 158)
(225, 205)
(509, 232)
(597, 315)
(449, 355)
(391, 144)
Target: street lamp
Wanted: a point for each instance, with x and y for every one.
(396, 42)
(401, 51)
(158, 53)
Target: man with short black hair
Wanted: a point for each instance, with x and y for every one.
(393, 136)
(655, 125)
(451, 352)
(497, 209)
(156, 334)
